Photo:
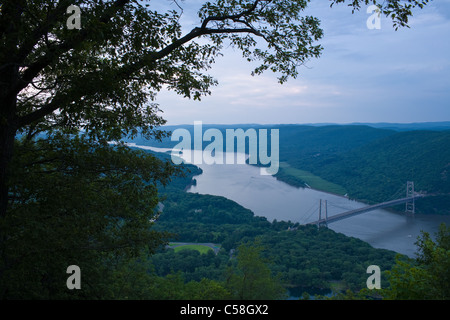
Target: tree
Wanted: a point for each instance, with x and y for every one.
(252, 279)
(64, 93)
(424, 278)
(427, 277)
(206, 289)
(75, 203)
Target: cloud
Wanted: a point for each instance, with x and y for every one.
(363, 75)
(243, 89)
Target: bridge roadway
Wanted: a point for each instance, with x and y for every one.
(355, 212)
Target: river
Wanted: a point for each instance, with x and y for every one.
(268, 197)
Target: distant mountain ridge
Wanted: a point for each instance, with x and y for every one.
(434, 126)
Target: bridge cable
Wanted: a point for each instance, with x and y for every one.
(397, 194)
(340, 207)
(315, 210)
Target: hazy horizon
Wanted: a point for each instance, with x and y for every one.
(319, 123)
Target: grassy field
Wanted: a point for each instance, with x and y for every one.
(199, 248)
(313, 181)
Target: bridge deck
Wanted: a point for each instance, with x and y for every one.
(355, 212)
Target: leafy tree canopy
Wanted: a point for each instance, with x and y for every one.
(428, 276)
(76, 203)
(63, 197)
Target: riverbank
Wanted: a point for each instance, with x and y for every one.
(297, 177)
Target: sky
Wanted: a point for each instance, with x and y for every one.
(363, 75)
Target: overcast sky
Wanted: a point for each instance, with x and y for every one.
(363, 75)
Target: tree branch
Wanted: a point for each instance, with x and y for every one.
(41, 30)
(35, 68)
(230, 17)
(129, 69)
(39, 113)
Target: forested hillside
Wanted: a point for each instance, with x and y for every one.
(377, 170)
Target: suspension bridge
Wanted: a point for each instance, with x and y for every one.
(409, 200)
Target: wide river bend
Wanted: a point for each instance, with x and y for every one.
(268, 197)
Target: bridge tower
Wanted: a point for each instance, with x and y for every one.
(323, 208)
(410, 205)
